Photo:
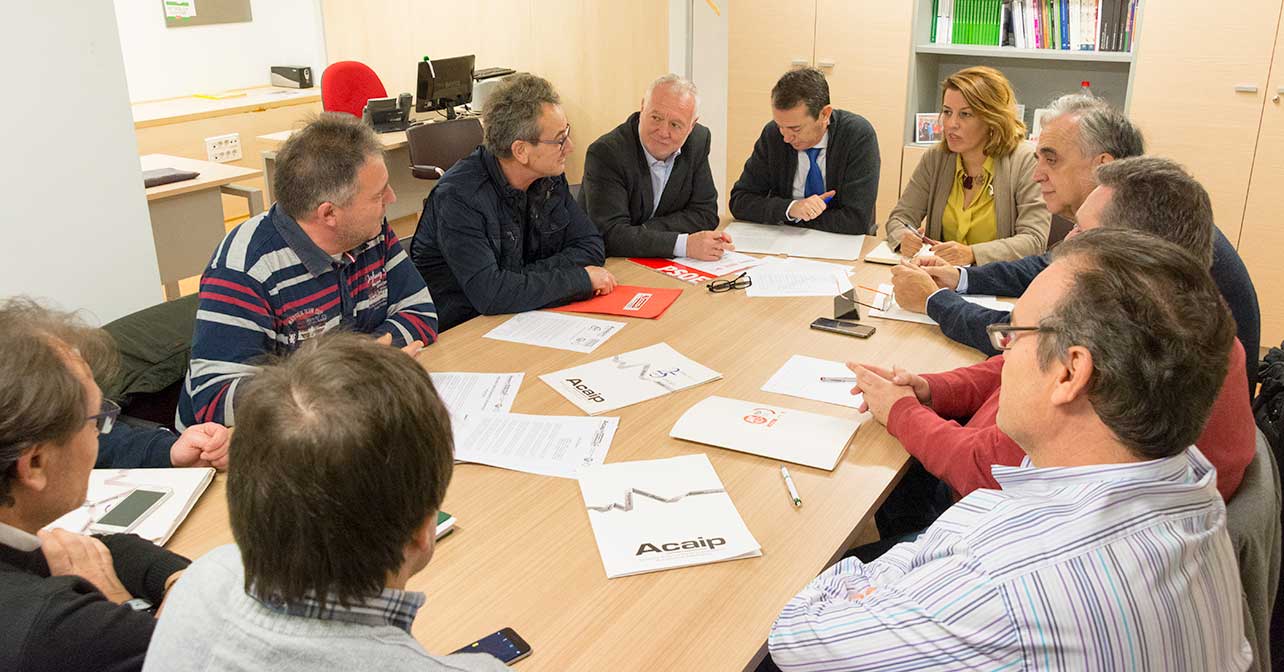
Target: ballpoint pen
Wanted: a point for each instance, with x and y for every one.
(837, 379)
(789, 483)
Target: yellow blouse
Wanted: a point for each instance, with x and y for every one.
(975, 223)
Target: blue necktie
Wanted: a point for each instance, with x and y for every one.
(815, 181)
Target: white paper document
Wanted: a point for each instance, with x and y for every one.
(108, 487)
(465, 393)
(883, 254)
(800, 377)
(794, 241)
(627, 378)
(731, 262)
(895, 312)
(653, 515)
(537, 444)
(798, 277)
(780, 433)
(556, 330)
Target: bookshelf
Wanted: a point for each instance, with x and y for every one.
(1037, 75)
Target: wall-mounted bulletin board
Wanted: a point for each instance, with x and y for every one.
(183, 13)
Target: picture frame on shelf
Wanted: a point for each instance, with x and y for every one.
(927, 127)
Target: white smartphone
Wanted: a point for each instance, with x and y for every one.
(131, 510)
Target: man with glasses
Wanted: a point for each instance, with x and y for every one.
(500, 232)
(953, 432)
(647, 182)
(70, 602)
(1106, 548)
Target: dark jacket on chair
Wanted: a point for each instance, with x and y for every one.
(966, 322)
(486, 248)
(618, 197)
(765, 188)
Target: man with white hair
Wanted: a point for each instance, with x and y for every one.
(647, 184)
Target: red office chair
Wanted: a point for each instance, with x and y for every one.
(347, 85)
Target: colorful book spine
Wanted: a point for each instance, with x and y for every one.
(1064, 8)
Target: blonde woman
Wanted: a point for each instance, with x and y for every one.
(973, 197)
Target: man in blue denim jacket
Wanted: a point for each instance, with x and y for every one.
(500, 232)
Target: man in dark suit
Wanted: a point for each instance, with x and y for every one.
(647, 184)
(813, 166)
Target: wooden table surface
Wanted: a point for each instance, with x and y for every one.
(150, 113)
(212, 175)
(523, 553)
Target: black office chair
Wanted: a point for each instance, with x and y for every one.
(437, 146)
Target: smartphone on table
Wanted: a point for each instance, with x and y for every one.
(506, 645)
(841, 327)
(131, 510)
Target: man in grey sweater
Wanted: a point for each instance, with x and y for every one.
(342, 457)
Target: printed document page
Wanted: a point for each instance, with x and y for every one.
(108, 487)
(555, 330)
(653, 515)
(800, 377)
(780, 433)
(798, 277)
(794, 241)
(550, 445)
(731, 262)
(883, 254)
(628, 378)
(465, 393)
(895, 312)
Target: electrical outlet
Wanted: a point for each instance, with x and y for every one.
(223, 148)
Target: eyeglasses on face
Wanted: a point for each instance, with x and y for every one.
(1002, 336)
(739, 282)
(105, 419)
(560, 140)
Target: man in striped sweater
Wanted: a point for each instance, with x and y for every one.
(322, 258)
(1107, 548)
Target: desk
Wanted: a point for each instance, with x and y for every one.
(187, 216)
(189, 108)
(523, 553)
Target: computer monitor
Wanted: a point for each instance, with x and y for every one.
(445, 83)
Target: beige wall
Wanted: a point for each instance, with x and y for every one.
(599, 55)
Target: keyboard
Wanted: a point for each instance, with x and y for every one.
(487, 73)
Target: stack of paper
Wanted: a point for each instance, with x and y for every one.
(780, 433)
(536, 444)
(554, 330)
(465, 393)
(695, 271)
(654, 515)
(895, 312)
(800, 377)
(798, 277)
(794, 241)
(108, 487)
(628, 378)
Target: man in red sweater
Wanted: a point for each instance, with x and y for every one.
(947, 421)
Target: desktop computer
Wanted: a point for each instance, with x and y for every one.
(444, 84)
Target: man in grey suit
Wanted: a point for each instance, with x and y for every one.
(647, 184)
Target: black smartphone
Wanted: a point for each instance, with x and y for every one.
(844, 328)
(506, 645)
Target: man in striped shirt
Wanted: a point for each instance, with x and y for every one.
(322, 258)
(1107, 548)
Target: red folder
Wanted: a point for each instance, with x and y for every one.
(627, 300)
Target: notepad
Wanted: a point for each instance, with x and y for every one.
(107, 487)
(883, 254)
(445, 523)
(628, 378)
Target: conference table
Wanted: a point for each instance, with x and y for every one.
(523, 554)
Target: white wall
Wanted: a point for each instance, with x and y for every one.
(75, 228)
(165, 62)
(708, 71)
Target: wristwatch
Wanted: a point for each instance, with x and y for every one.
(139, 604)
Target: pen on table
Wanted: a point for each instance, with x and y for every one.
(789, 483)
(837, 379)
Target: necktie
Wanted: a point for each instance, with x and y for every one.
(815, 181)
